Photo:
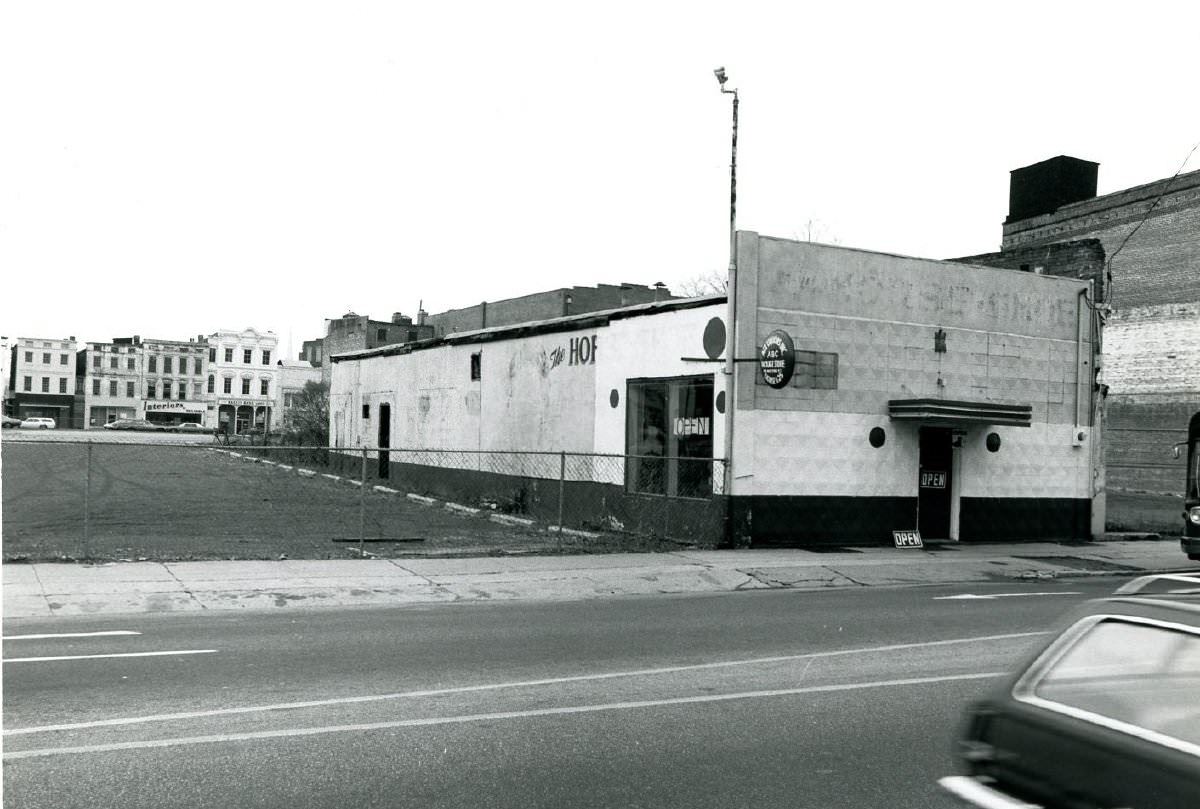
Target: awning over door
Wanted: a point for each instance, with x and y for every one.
(944, 411)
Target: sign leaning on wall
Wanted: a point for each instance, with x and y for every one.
(777, 359)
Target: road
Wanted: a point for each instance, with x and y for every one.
(765, 699)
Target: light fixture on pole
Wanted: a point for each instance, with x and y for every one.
(731, 297)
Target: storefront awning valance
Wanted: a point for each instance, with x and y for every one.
(944, 411)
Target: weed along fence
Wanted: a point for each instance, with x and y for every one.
(168, 497)
(667, 497)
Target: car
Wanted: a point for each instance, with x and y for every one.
(133, 424)
(1107, 714)
(190, 427)
(38, 423)
(9, 421)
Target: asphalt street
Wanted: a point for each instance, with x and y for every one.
(775, 698)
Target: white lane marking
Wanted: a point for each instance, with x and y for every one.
(73, 635)
(466, 689)
(122, 654)
(484, 717)
(973, 597)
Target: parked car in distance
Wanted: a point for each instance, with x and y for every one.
(133, 424)
(38, 423)
(1107, 714)
(9, 421)
(190, 427)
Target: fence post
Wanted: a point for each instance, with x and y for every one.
(87, 494)
(362, 506)
(562, 489)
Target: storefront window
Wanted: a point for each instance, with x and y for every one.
(669, 434)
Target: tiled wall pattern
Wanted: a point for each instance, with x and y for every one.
(1010, 338)
(828, 454)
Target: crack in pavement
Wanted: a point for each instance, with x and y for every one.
(186, 589)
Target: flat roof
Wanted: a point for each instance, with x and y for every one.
(534, 327)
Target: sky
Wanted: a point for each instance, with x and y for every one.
(171, 168)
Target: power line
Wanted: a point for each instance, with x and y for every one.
(1146, 216)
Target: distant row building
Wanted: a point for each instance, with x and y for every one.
(232, 380)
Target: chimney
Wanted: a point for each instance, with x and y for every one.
(421, 313)
(1045, 187)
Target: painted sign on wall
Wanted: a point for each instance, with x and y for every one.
(580, 351)
(777, 359)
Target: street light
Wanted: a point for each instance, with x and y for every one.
(731, 296)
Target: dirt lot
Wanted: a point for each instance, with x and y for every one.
(171, 501)
(192, 502)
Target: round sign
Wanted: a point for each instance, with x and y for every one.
(777, 359)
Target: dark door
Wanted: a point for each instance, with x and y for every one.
(933, 494)
(385, 437)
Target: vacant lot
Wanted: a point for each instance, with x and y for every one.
(191, 502)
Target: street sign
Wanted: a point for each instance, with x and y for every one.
(907, 539)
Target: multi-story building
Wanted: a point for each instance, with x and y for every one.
(111, 379)
(175, 386)
(42, 379)
(354, 332)
(242, 378)
(1141, 249)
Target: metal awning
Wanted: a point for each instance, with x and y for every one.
(945, 411)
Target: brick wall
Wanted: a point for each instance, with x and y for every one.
(544, 306)
(1082, 259)
(1152, 338)
(1160, 264)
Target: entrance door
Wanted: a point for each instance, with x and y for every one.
(385, 437)
(933, 494)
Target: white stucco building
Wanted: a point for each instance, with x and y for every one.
(873, 393)
(242, 378)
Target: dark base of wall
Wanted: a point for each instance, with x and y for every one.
(757, 521)
(585, 505)
(803, 521)
(1001, 519)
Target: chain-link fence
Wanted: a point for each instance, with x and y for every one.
(192, 497)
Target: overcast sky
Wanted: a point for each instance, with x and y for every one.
(170, 168)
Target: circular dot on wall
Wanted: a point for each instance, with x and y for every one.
(877, 437)
(614, 398)
(714, 338)
(993, 442)
(721, 402)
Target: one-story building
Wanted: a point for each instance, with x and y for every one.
(874, 393)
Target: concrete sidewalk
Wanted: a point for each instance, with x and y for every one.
(43, 590)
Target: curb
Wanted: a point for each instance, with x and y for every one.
(508, 519)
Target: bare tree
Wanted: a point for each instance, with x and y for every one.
(714, 282)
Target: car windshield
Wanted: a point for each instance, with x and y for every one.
(1142, 674)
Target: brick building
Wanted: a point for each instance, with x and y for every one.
(42, 380)
(112, 380)
(354, 332)
(545, 305)
(1141, 248)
